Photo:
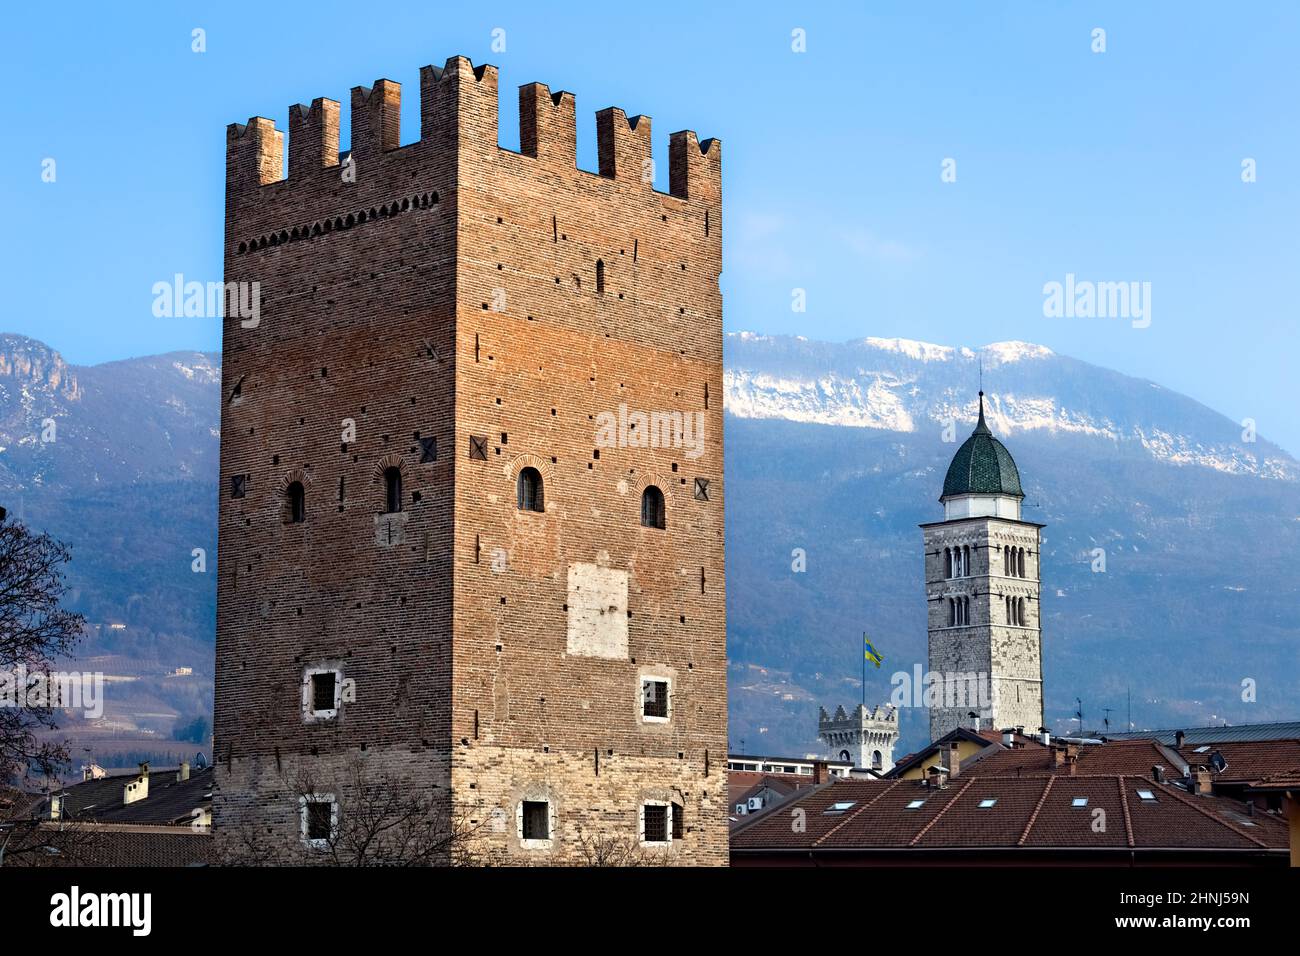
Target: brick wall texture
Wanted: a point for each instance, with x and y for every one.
(448, 289)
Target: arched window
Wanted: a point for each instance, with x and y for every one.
(844, 756)
(1020, 564)
(965, 560)
(600, 276)
(952, 613)
(530, 490)
(652, 508)
(877, 760)
(947, 562)
(297, 502)
(1006, 560)
(392, 489)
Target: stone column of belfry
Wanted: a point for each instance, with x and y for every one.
(982, 590)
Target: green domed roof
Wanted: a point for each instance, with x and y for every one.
(982, 466)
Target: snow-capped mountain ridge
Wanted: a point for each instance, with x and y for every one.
(905, 385)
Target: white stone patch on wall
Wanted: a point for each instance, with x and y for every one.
(390, 528)
(597, 611)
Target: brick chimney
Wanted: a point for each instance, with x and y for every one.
(953, 758)
(137, 789)
(1058, 755)
(1204, 782)
(820, 771)
(1178, 740)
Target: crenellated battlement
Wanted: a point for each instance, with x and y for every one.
(459, 104)
(867, 735)
(412, 427)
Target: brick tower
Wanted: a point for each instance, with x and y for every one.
(982, 588)
(471, 518)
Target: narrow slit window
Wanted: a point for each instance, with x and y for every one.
(392, 489)
(297, 503)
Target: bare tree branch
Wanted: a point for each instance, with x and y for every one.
(34, 631)
(382, 820)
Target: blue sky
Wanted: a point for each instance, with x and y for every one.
(1115, 166)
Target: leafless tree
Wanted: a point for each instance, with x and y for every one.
(382, 819)
(601, 849)
(28, 840)
(34, 631)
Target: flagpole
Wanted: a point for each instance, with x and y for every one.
(863, 649)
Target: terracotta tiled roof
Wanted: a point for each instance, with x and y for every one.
(1030, 812)
(1126, 757)
(1247, 760)
(1286, 780)
(741, 784)
(114, 844)
(928, 755)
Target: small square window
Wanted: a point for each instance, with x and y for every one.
(319, 815)
(988, 802)
(321, 687)
(654, 699)
(321, 693)
(322, 690)
(1079, 802)
(915, 804)
(656, 823)
(840, 807)
(1146, 796)
(536, 820)
(319, 820)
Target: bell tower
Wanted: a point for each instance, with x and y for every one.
(982, 590)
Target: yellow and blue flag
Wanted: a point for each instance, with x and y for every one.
(870, 653)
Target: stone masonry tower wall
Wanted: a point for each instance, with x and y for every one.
(995, 652)
(476, 314)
